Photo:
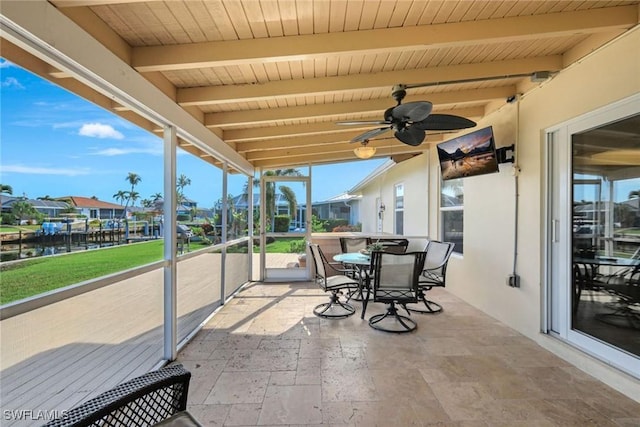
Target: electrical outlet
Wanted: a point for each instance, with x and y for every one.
(513, 280)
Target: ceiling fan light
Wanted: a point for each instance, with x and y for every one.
(365, 152)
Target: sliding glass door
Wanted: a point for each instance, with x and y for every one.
(594, 234)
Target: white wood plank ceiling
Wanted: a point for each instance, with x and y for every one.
(272, 77)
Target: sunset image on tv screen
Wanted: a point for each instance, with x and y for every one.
(468, 155)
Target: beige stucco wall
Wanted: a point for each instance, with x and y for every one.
(608, 75)
(414, 174)
(479, 275)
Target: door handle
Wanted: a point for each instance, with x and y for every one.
(554, 231)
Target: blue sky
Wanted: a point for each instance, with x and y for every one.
(57, 144)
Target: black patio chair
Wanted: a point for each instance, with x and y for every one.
(625, 311)
(332, 277)
(395, 282)
(352, 244)
(434, 274)
(398, 246)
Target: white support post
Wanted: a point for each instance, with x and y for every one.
(225, 207)
(309, 222)
(263, 227)
(250, 224)
(170, 264)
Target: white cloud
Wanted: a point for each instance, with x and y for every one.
(99, 130)
(35, 170)
(5, 64)
(110, 152)
(12, 82)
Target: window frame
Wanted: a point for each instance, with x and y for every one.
(396, 209)
(458, 249)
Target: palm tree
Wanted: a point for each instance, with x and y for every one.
(270, 192)
(156, 196)
(290, 196)
(182, 182)
(133, 196)
(47, 197)
(134, 179)
(4, 188)
(120, 196)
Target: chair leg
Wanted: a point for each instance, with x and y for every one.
(406, 324)
(432, 307)
(365, 300)
(334, 309)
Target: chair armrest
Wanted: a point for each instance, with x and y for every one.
(340, 268)
(142, 401)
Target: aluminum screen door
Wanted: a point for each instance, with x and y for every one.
(285, 227)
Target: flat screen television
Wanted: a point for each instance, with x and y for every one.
(468, 155)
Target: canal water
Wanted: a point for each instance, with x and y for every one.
(11, 252)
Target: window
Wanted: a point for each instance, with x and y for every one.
(452, 211)
(399, 209)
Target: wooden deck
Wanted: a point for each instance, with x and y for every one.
(61, 354)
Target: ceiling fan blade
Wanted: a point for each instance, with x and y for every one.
(370, 134)
(444, 122)
(412, 111)
(410, 135)
(364, 122)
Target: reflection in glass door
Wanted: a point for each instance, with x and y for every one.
(606, 233)
(593, 234)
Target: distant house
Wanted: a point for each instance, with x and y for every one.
(182, 208)
(49, 208)
(93, 208)
(343, 206)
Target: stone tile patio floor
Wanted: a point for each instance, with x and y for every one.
(265, 359)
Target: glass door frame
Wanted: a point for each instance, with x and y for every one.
(284, 274)
(557, 235)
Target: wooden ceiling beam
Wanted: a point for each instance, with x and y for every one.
(500, 30)
(82, 3)
(277, 132)
(436, 76)
(329, 111)
(390, 143)
(333, 157)
(293, 142)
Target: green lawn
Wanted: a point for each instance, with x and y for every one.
(16, 228)
(43, 274)
(39, 275)
(281, 245)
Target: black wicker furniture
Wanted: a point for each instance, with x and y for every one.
(332, 278)
(155, 398)
(395, 282)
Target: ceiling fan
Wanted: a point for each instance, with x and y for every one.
(410, 121)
